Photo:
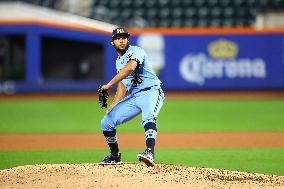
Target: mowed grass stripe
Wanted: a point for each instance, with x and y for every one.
(267, 161)
(47, 116)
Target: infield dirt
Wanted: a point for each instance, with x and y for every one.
(136, 176)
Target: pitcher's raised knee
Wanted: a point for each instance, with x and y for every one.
(107, 124)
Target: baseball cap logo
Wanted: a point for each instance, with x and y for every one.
(120, 30)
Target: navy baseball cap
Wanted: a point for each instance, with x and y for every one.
(119, 31)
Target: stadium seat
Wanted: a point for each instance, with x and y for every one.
(113, 4)
(190, 13)
(212, 3)
(216, 12)
(165, 23)
(189, 23)
(239, 3)
(187, 3)
(177, 23)
(163, 3)
(150, 4)
(228, 22)
(177, 13)
(138, 4)
(151, 13)
(164, 13)
(203, 12)
(203, 22)
(200, 3)
(229, 12)
(242, 12)
(140, 12)
(251, 3)
(125, 15)
(215, 22)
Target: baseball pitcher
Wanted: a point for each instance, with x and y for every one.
(139, 91)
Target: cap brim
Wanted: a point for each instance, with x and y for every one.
(120, 34)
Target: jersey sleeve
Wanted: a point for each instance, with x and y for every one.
(136, 54)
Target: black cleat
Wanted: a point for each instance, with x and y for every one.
(111, 160)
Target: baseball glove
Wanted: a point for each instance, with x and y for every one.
(103, 96)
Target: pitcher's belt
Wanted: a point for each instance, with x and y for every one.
(148, 88)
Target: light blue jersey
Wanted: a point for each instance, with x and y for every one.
(146, 95)
(143, 70)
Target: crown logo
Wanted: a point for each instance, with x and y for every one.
(223, 49)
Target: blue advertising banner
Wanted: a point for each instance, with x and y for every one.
(218, 61)
(246, 61)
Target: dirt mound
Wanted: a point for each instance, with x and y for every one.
(131, 176)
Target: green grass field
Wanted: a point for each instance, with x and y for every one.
(268, 161)
(53, 116)
(176, 116)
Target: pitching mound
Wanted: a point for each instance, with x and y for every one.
(131, 176)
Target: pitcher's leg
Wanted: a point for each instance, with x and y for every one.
(109, 132)
(150, 111)
(123, 111)
(150, 136)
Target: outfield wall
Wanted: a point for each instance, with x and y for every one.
(219, 59)
(185, 59)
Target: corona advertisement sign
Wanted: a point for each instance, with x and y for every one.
(220, 62)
